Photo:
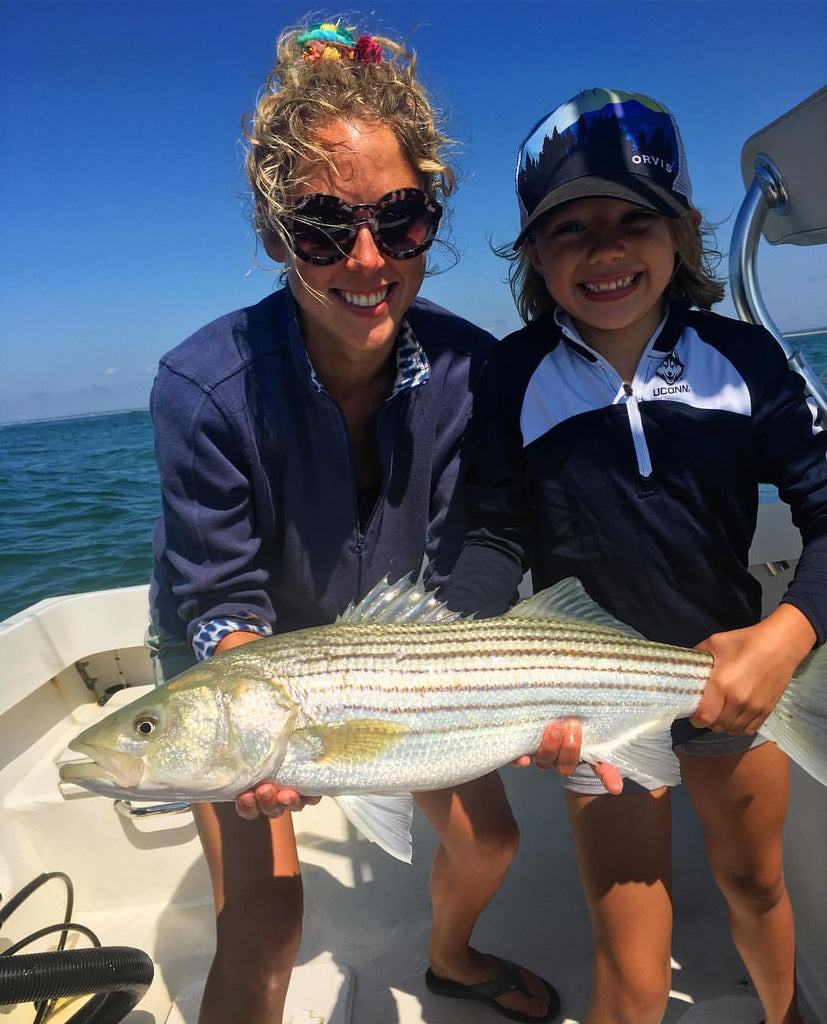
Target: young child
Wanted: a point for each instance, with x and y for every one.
(622, 436)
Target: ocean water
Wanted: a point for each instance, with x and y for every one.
(78, 499)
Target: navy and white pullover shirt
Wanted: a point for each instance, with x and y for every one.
(648, 492)
(260, 520)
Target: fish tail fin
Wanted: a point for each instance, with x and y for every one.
(799, 722)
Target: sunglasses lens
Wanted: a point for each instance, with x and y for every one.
(322, 232)
(406, 226)
(323, 228)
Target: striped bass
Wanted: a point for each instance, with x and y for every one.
(400, 695)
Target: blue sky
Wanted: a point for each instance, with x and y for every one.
(122, 221)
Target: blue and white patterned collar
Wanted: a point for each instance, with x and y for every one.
(412, 366)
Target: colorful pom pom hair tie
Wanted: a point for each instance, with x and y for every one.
(328, 40)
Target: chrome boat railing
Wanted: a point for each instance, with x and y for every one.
(784, 167)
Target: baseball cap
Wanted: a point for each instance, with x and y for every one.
(603, 142)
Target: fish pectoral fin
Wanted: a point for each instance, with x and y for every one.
(383, 818)
(351, 742)
(646, 756)
(568, 599)
(258, 744)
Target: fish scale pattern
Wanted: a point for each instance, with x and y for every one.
(466, 695)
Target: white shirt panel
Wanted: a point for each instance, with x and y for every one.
(697, 374)
(564, 384)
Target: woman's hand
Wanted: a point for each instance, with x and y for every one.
(270, 799)
(751, 670)
(560, 748)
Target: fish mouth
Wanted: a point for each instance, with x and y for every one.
(109, 767)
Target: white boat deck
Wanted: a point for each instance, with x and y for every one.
(381, 917)
(367, 923)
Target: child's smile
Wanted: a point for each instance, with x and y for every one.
(607, 263)
(609, 290)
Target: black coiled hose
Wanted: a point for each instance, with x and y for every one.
(118, 975)
(115, 976)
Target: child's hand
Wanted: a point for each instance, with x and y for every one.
(560, 748)
(751, 670)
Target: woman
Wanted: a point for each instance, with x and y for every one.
(308, 447)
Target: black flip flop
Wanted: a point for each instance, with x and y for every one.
(489, 991)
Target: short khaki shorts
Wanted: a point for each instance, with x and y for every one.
(170, 654)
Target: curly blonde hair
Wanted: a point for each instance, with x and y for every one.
(693, 279)
(302, 97)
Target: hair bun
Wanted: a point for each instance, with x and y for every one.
(330, 41)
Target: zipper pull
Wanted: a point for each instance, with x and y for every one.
(627, 388)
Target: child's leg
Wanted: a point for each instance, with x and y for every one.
(478, 839)
(741, 800)
(623, 849)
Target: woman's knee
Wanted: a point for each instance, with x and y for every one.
(256, 978)
(265, 922)
(265, 947)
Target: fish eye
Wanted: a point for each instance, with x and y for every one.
(145, 725)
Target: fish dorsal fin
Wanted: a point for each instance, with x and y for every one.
(404, 601)
(568, 600)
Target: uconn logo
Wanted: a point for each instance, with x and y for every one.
(671, 371)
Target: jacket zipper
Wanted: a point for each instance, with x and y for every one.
(384, 483)
(644, 461)
(361, 543)
(361, 539)
(361, 547)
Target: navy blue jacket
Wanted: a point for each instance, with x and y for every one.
(648, 494)
(259, 499)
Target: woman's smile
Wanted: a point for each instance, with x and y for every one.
(365, 302)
